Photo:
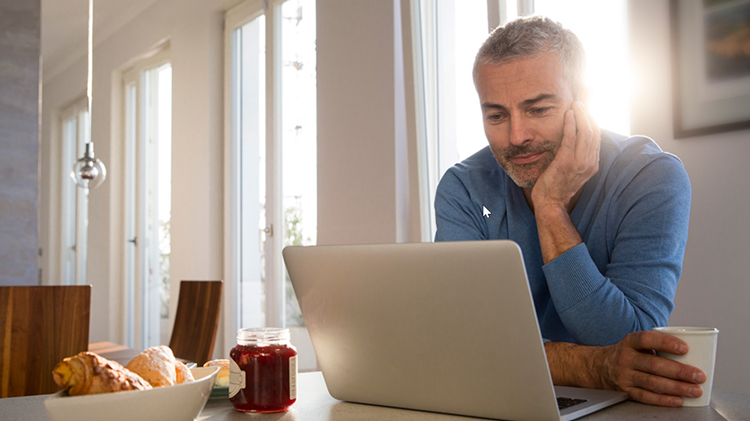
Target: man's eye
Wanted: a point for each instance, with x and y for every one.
(539, 111)
(495, 117)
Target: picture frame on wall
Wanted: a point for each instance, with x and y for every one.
(711, 66)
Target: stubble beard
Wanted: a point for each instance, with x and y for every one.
(526, 175)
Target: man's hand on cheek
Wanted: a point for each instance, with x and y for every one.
(577, 160)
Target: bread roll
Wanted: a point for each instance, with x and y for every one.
(156, 365)
(88, 373)
(222, 379)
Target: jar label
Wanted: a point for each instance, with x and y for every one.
(293, 378)
(236, 378)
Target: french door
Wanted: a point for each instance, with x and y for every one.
(147, 121)
(271, 161)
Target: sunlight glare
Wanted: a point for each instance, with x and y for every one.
(603, 31)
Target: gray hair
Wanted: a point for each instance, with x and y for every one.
(530, 36)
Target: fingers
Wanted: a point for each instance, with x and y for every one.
(581, 141)
(650, 398)
(657, 341)
(667, 386)
(646, 361)
(569, 130)
(666, 368)
(589, 138)
(583, 124)
(656, 390)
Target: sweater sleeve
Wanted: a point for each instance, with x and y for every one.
(648, 220)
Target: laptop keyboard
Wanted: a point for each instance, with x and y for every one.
(563, 403)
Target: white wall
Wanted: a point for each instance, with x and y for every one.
(356, 148)
(367, 168)
(714, 287)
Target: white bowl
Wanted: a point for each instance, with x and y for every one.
(180, 402)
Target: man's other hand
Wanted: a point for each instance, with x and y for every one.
(633, 366)
(630, 365)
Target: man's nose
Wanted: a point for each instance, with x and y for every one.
(520, 132)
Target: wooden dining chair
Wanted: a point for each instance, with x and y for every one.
(196, 321)
(39, 326)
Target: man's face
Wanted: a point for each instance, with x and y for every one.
(523, 106)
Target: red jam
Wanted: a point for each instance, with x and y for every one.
(263, 371)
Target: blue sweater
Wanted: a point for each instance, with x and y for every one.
(633, 218)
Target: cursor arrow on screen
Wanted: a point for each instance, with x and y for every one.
(485, 212)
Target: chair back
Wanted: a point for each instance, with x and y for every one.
(39, 326)
(196, 321)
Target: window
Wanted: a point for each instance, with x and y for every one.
(606, 43)
(451, 33)
(74, 206)
(148, 125)
(271, 161)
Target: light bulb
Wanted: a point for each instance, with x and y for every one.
(89, 172)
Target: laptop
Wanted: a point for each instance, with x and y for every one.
(444, 327)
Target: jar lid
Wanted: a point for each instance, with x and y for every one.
(263, 334)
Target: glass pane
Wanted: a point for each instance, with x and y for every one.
(69, 150)
(147, 241)
(299, 134)
(249, 109)
(451, 33)
(461, 130)
(164, 135)
(131, 232)
(157, 129)
(82, 204)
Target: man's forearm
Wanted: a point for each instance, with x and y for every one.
(557, 234)
(574, 365)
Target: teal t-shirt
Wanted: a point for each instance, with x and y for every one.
(633, 217)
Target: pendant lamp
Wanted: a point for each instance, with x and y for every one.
(89, 172)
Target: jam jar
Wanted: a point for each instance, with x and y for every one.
(263, 371)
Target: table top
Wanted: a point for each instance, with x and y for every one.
(315, 404)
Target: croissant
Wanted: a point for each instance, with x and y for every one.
(88, 373)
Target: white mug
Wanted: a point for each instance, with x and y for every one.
(701, 343)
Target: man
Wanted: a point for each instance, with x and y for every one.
(602, 220)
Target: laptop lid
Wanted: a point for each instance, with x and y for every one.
(445, 327)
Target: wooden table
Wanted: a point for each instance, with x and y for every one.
(315, 404)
